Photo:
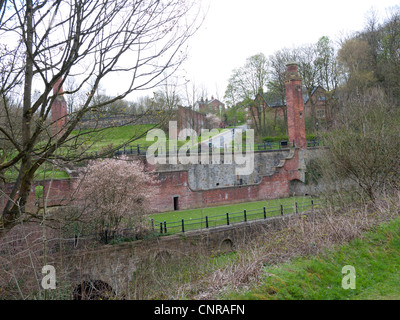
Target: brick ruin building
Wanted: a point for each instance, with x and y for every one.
(203, 185)
(186, 186)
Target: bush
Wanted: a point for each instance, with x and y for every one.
(112, 191)
(280, 138)
(276, 138)
(311, 136)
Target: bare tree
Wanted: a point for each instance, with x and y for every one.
(246, 82)
(309, 71)
(46, 42)
(277, 71)
(364, 147)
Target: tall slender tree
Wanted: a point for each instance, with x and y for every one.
(45, 42)
(246, 82)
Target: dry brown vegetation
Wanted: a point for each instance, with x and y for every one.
(210, 277)
(196, 276)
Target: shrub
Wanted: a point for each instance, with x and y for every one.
(112, 191)
(276, 138)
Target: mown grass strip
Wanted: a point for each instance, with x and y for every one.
(196, 218)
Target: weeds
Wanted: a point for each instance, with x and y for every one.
(246, 269)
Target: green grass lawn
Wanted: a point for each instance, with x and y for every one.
(43, 173)
(116, 136)
(196, 218)
(376, 259)
(120, 135)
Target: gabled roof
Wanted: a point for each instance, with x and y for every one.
(274, 100)
(305, 94)
(207, 102)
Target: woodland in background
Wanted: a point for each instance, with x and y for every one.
(346, 69)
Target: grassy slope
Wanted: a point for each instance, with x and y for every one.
(116, 136)
(42, 173)
(119, 135)
(376, 259)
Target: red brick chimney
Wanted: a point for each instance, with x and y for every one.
(58, 110)
(295, 107)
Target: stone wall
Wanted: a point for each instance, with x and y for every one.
(197, 186)
(116, 264)
(204, 176)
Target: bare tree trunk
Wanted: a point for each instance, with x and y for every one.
(58, 38)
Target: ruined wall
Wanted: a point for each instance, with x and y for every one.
(223, 174)
(116, 264)
(274, 171)
(203, 185)
(198, 186)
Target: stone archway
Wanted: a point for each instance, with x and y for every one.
(226, 245)
(93, 290)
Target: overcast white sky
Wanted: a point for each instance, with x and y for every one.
(237, 29)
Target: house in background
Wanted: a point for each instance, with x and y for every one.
(274, 104)
(210, 106)
(268, 102)
(318, 98)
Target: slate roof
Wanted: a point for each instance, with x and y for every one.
(274, 100)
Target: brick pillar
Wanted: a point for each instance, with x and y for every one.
(58, 110)
(295, 107)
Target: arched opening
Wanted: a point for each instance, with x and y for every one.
(93, 290)
(298, 188)
(226, 245)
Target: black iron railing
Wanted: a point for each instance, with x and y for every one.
(230, 218)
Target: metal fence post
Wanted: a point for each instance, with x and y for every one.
(161, 229)
(245, 216)
(165, 226)
(227, 218)
(265, 213)
(312, 205)
(106, 236)
(207, 222)
(183, 225)
(297, 210)
(281, 210)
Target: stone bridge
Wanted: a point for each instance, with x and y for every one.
(113, 266)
